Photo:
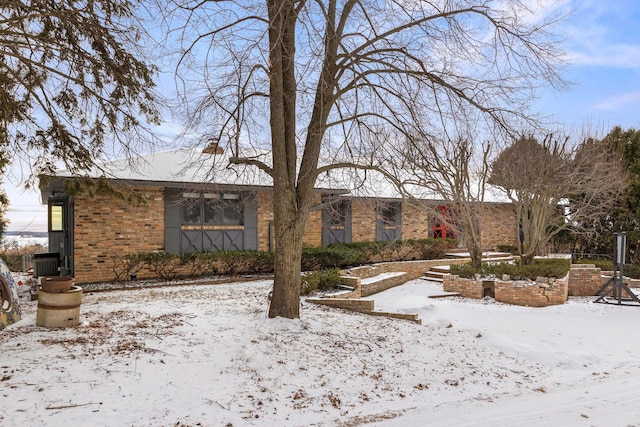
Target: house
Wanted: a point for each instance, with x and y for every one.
(196, 202)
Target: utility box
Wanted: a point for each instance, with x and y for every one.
(46, 264)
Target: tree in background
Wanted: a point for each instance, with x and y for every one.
(624, 213)
(333, 76)
(4, 222)
(555, 185)
(73, 84)
(455, 171)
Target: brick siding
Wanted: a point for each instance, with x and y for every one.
(105, 227)
(313, 230)
(363, 220)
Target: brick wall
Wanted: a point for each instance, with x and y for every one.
(313, 231)
(498, 223)
(541, 293)
(105, 227)
(498, 226)
(360, 305)
(265, 216)
(585, 280)
(468, 288)
(363, 220)
(416, 223)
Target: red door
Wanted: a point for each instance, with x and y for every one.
(444, 223)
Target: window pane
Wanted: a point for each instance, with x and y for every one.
(232, 213)
(190, 209)
(56, 217)
(338, 213)
(388, 213)
(212, 211)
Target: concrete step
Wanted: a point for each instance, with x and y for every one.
(434, 276)
(489, 255)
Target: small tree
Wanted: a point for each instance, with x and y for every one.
(452, 171)
(555, 186)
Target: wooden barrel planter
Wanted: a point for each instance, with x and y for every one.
(59, 309)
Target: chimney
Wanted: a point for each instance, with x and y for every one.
(213, 148)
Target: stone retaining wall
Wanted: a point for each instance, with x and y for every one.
(383, 283)
(360, 305)
(414, 269)
(585, 280)
(541, 293)
(467, 288)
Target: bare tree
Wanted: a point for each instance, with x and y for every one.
(455, 171)
(334, 74)
(555, 185)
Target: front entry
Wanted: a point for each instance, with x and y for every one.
(444, 223)
(60, 212)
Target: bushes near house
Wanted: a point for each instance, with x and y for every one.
(552, 267)
(320, 280)
(169, 267)
(334, 256)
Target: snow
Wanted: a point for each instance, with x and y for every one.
(381, 276)
(206, 355)
(193, 166)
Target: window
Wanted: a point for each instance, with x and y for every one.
(338, 214)
(56, 216)
(191, 211)
(212, 209)
(388, 213)
(444, 223)
(388, 221)
(232, 209)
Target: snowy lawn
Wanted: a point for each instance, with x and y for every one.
(206, 355)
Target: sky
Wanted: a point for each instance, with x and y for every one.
(602, 44)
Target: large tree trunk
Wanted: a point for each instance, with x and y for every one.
(289, 225)
(290, 208)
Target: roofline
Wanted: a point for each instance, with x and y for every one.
(56, 185)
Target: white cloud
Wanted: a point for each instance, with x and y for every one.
(619, 56)
(619, 102)
(598, 36)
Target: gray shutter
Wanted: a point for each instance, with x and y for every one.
(250, 238)
(347, 223)
(172, 221)
(398, 221)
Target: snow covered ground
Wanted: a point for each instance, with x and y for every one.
(206, 355)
